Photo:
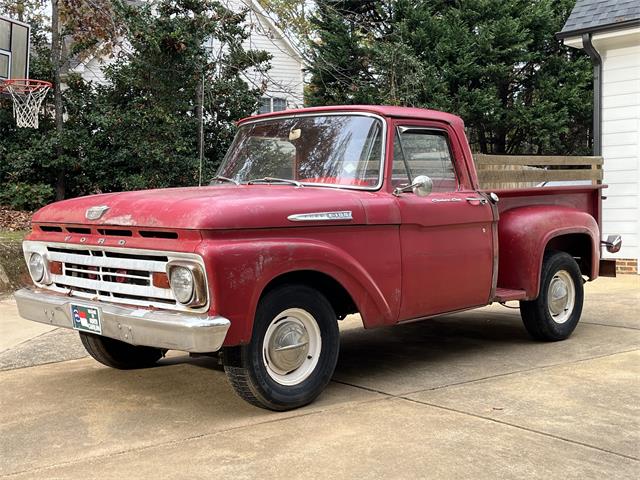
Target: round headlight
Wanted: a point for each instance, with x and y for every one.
(36, 267)
(182, 284)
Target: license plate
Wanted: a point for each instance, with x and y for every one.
(86, 319)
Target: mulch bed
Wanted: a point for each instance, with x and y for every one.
(14, 220)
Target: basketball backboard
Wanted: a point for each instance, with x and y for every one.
(14, 49)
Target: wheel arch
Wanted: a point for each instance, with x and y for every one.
(243, 271)
(337, 295)
(581, 246)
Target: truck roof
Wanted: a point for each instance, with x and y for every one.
(382, 110)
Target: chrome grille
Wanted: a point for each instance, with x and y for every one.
(114, 275)
(111, 275)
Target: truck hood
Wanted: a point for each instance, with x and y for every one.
(215, 207)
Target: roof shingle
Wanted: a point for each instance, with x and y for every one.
(596, 14)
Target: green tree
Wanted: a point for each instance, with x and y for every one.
(342, 50)
(139, 129)
(141, 126)
(496, 63)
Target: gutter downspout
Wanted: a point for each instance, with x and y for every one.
(596, 59)
(597, 92)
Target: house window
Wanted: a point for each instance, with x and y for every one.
(268, 104)
(265, 105)
(279, 104)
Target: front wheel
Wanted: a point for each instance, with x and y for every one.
(293, 350)
(554, 315)
(116, 354)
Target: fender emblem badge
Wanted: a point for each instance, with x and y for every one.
(321, 216)
(94, 213)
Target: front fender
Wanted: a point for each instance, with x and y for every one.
(239, 270)
(525, 232)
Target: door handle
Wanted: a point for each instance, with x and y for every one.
(480, 200)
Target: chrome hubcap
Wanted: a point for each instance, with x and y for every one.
(288, 345)
(561, 296)
(291, 346)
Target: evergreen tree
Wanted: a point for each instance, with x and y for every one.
(141, 125)
(341, 64)
(496, 63)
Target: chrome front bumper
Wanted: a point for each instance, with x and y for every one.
(136, 326)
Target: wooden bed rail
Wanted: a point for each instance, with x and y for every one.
(513, 171)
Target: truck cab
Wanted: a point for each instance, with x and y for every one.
(314, 214)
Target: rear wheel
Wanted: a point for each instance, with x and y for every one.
(554, 315)
(116, 354)
(293, 350)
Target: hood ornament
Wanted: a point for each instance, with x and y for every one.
(94, 213)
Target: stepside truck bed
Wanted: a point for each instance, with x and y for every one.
(524, 213)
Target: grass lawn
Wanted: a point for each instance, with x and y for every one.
(12, 236)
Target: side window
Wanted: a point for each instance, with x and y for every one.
(423, 152)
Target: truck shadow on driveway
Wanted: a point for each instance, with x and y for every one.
(398, 360)
(448, 350)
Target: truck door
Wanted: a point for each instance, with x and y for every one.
(446, 237)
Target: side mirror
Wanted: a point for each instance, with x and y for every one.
(421, 186)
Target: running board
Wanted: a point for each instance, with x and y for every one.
(507, 295)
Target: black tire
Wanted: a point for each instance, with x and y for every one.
(247, 366)
(116, 354)
(537, 315)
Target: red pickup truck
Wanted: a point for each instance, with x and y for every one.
(315, 214)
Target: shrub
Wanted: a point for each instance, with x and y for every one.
(26, 196)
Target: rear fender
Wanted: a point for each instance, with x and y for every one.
(525, 233)
(240, 270)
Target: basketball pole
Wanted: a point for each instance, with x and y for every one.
(200, 117)
(56, 60)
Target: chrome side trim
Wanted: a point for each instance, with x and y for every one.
(321, 216)
(135, 326)
(495, 248)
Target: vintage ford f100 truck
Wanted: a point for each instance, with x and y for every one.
(315, 214)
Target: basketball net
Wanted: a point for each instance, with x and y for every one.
(27, 96)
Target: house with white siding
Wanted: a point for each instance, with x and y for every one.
(609, 32)
(282, 84)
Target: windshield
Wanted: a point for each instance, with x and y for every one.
(343, 150)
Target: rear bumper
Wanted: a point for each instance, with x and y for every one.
(136, 326)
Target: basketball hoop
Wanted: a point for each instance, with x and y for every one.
(27, 96)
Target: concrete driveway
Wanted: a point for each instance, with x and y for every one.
(463, 396)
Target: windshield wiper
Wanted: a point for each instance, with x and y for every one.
(224, 179)
(274, 180)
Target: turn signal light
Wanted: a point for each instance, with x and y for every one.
(160, 280)
(55, 268)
